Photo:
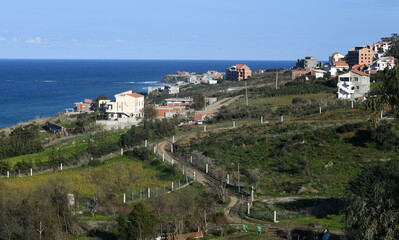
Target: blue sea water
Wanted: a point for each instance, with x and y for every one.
(38, 88)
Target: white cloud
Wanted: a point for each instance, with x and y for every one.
(15, 39)
(120, 40)
(35, 40)
(2, 39)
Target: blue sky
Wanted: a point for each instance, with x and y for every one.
(191, 29)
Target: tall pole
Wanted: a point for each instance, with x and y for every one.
(246, 93)
(238, 171)
(276, 78)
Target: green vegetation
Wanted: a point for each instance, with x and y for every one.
(373, 203)
(149, 130)
(112, 178)
(139, 224)
(22, 140)
(286, 157)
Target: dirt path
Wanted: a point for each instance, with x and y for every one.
(223, 102)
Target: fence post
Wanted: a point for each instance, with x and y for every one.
(234, 124)
(204, 128)
(275, 217)
(206, 168)
(228, 179)
(194, 177)
(163, 157)
(124, 198)
(31, 172)
(261, 119)
(173, 139)
(319, 110)
(149, 192)
(172, 186)
(145, 143)
(121, 151)
(282, 118)
(8, 174)
(171, 148)
(191, 159)
(61, 166)
(173, 161)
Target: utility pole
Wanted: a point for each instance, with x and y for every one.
(276, 79)
(238, 171)
(246, 93)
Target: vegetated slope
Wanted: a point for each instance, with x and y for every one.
(281, 158)
(114, 177)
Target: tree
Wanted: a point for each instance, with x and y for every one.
(97, 101)
(388, 93)
(373, 203)
(199, 101)
(140, 223)
(394, 49)
(150, 112)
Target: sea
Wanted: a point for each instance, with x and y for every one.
(44, 88)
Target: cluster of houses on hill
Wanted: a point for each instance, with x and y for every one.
(236, 72)
(353, 70)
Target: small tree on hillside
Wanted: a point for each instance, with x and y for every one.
(140, 223)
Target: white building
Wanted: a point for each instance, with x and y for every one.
(338, 66)
(381, 48)
(126, 105)
(335, 57)
(382, 63)
(352, 85)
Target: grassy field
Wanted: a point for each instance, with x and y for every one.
(288, 156)
(115, 176)
(280, 100)
(66, 148)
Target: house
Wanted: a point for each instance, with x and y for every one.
(201, 115)
(296, 73)
(381, 48)
(361, 55)
(317, 73)
(382, 63)
(170, 89)
(126, 105)
(338, 66)
(334, 57)
(238, 72)
(307, 62)
(85, 106)
(167, 112)
(173, 102)
(353, 85)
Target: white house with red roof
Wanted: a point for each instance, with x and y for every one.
(382, 63)
(334, 57)
(353, 85)
(338, 66)
(127, 105)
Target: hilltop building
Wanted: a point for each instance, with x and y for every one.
(381, 48)
(127, 105)
(335, 57)
(353, 85)
(338, 66)
(238, 72)
(361, 55)
(307, 62)
(382, 63)
(85, 106)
